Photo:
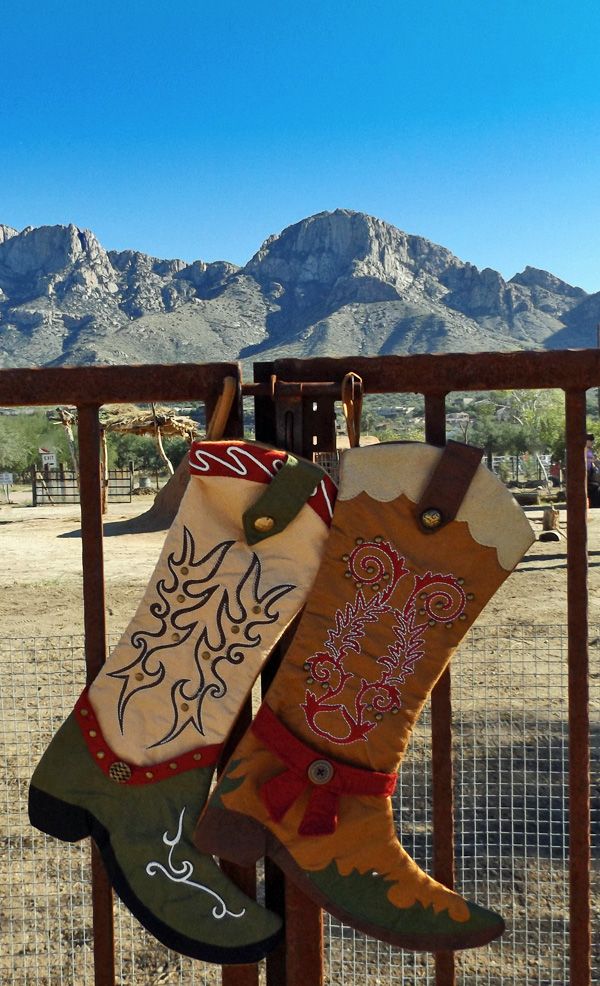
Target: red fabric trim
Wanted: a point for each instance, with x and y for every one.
(201, 756)
(280, 792)
(259, 465)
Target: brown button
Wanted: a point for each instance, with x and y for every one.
(431, 518)
(264, 524)
(320, 772)
(119, 772)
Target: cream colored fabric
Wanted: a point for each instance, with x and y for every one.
(385, 472)
(137, 713)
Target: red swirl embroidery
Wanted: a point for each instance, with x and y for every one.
(435, 598)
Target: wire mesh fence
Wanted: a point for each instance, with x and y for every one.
(512, 836)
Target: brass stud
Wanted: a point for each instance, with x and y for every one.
(185, 570)
(422, 611)
(431, 623)
(180, 598)
(395, 710)
(462, 616)
(175, 636)
(100, 755)
(431, 519)
(149, 775)
(450, 624)
(139, 676)
(359, 541)
(206, 655)
(84, 712)
(264, 524)
(376, 587)
(92, 733)
(173, 766)
(386, 577)
(422, 595)
(345, 557)
(461, 581)
(184, 706)
(310, 681)
(378, 716)
(378, 539)
(470, 595)
(197, 756)
(347, 575)
(235, 629)
(257, 609)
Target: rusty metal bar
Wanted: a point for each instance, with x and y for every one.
(113, 384)
(441, 739)
(95, 655)
(453, 371)
(579, 718)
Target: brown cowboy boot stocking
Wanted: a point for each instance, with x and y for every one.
(421, 539)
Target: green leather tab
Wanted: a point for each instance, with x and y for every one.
(282, 500)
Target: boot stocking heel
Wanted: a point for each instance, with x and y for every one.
(57, 818)
(233, 836)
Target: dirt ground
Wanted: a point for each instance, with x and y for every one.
(41, 584)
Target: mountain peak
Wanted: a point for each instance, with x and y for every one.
(534, 277)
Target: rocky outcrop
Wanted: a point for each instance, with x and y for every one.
(335, 283)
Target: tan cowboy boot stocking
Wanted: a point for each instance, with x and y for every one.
(133, 763)
(421, 539)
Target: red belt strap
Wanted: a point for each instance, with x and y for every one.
(327, 778)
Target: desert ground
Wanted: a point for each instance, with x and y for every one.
(510, 715)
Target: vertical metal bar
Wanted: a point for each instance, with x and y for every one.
(441, 739)
(579, 720)
(95, 655)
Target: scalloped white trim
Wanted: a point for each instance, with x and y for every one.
(385, 472)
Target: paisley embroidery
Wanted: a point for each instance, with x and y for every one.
(204, 627)
(356, 703)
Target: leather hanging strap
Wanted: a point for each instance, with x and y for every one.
(441, 499)
(352, 400)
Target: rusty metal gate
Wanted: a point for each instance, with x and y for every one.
(295, 408)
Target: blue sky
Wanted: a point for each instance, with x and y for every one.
(195, 129)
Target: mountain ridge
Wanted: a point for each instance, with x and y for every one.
(334, 284)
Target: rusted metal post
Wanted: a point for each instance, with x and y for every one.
(579, 718)
(95, 655)
(441, 739)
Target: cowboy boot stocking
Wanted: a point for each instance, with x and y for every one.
(133, 763)
(421, 539)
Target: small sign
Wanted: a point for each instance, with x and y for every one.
(49, 459)
(6, 478)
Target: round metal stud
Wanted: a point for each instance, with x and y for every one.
(320, 772)
(119, 772)
(197, 756)
(175, 636)
(92, 733)
(431, 519)
(359, 541)
(185, 570)
(84, 712)
(235, 629)
(100, 755)
(257, 609)
(149, 775)
(173, 766)
(180, 598)
(470, 596)
(139, 676)
(264, 524)
(184, 706)
(206, 655)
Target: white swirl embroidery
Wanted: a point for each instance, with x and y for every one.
(182, 872)
(200, 461)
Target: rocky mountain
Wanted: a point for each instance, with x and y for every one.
(334, 284)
